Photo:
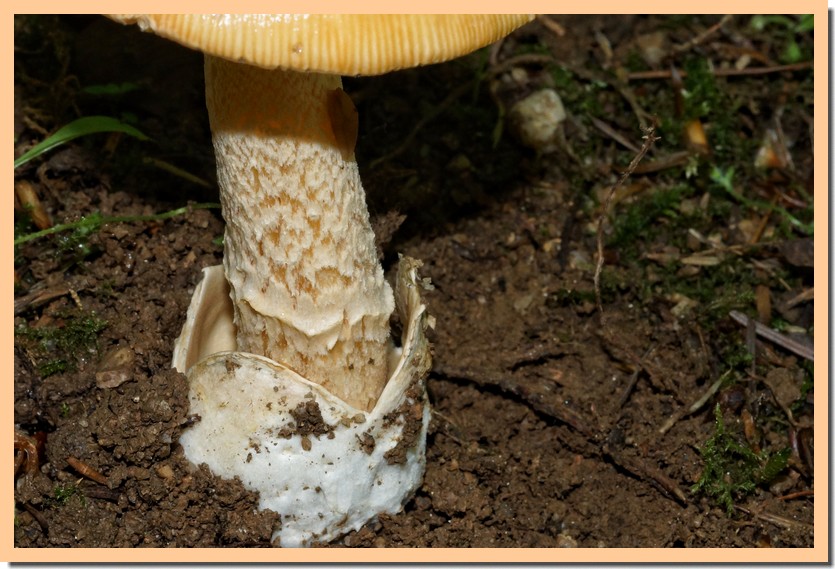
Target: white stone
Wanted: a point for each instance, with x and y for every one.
(536, 118)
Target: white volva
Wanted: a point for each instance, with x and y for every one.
(327, 466)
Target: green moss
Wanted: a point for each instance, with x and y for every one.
(564, 80)
(583, 97)
(634, 61)
(728, 286)
(107, 289)
(647, 217)
(63, 493)
(733, 353)
(53, 366)
(656, 218)
(732, 469)
(708, 100)
(61, 348)
(702, 97)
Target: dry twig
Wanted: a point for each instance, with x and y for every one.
(633, 380)
(649, 139)
(641, 469)
(552, 25)
(795, 495)
(100, 493)
(635, 466)
(780, 521)
(39, 517)
(508, 384)
(806, 295)
(698, 404)
(666, 74)
(516, 61)
(787, 342)
(613, 134)
(702, 36)
(86, 470)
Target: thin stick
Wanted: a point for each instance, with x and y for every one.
(506, 383)
(695, 406)
(637, 467)
(518, 60)
(755, 238)
(808, 294)
(612, 133)
(775, 519)
(39, 517)
(704, 35)
(642, 469)
(670, 423)
(551, 24)
(665, 74)
(708, 394)
(782, 340)
(100, 493)
(175, 170)
(86, 470)
(633, 379)
(649, 139)
(794, 495)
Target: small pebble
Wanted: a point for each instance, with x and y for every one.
(165, 471)
(536, 118)
(565, 540)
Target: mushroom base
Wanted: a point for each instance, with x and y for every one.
(325, 466)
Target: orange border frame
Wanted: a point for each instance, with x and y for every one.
(819, 553)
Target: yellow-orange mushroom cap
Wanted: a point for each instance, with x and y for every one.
(341, 44)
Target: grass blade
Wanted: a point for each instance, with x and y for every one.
(79, 127)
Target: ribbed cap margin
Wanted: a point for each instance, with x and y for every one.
(341, 44)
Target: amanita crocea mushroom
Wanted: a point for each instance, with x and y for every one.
(300, 391)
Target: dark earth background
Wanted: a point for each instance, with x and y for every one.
(661, 421)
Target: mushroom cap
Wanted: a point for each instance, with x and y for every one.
(343, 44)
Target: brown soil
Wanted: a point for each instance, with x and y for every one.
(546, 412)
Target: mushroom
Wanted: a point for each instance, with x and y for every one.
(299, 388)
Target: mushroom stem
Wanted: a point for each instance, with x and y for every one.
(306, 285)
